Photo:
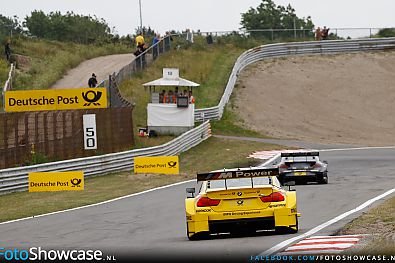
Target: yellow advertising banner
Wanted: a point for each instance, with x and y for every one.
(157, 165)
(56, 99)
(56, 181)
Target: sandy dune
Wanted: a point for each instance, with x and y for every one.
(333, 98)
(101, 66)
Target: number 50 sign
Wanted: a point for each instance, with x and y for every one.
(89, 125)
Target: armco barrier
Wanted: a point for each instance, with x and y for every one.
(16, 179)
(289, 49)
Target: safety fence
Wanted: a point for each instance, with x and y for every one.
(289, 49)
(32, 137)
(297, 33)
(16, 179)
(137, 65)
(7, 84)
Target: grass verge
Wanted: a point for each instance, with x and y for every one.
(40, 63)
(379, 222)
(212, 154)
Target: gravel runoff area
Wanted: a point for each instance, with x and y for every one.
(348, 98)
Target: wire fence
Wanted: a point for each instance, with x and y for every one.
(291, 33)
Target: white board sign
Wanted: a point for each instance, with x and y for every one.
(171, 73)
(89, 127)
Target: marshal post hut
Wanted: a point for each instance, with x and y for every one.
(172, 106)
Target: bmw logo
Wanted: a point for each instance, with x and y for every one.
(239, 193)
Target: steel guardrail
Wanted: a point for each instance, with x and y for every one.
(289, 49)
(16, 179)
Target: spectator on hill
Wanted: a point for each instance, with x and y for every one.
(139, 40)
(92, 82)
(209, 39)
(318, 34)
(7, 50)
(189, 36)
(325, 33)
(155, 46)
(167, 39)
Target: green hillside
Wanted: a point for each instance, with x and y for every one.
(40, 63)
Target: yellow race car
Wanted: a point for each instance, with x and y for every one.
(242, 200)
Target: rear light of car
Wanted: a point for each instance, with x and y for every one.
(205, 201)
(273, 197)
(317, 165)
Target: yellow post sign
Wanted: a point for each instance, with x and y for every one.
(157, 165)
(56, 181)
(56, 99)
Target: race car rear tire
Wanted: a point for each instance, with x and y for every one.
(324, 179)
(199, 236)
(288, 230)
(281, 179)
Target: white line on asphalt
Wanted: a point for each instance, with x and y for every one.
(358, 148)
(101, 203)
(322, 226)
(270, 160)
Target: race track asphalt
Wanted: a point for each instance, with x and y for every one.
(151, 226)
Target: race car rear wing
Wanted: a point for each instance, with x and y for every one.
(301, 154)
(237, 173)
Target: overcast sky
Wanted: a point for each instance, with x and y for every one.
(209, 15)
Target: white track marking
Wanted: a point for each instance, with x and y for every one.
(323, 239)
(270, 160)
(321, 245)
(358, 148)
(328, 223)
(101, 203)
(311, 252)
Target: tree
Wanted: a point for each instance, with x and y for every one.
(68, 27)
(386, 32)
(270, 16)
(38, 24)
(9, 26)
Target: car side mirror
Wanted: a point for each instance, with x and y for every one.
(289, 184)
(326, 162)
(191, 191)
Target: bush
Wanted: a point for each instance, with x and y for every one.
(387, 32)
